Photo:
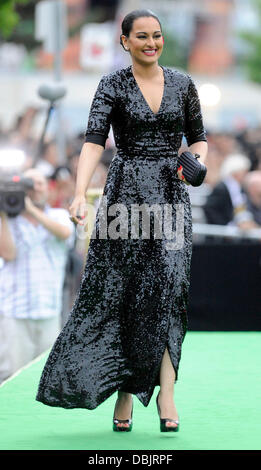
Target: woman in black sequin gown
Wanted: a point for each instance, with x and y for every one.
(129, 318)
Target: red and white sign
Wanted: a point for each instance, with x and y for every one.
(97, 46)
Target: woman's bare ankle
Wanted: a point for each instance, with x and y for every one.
(166, 393)
(125, 396)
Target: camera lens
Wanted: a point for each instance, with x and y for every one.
(12, 200)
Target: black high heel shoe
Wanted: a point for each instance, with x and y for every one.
(116, 421)
(163, 421)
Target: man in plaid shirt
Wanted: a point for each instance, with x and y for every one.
(33, 253)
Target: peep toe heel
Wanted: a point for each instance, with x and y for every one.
(163, 427)
(116, 421)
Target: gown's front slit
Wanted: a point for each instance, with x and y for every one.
(132, 301)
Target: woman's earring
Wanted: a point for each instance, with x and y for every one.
(123, 44)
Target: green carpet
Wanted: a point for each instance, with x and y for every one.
(217, 397)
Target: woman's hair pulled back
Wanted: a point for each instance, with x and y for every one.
(127, 23)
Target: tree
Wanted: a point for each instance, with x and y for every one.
(251, 61)
(8, 16)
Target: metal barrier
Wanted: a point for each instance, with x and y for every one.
(226, 231)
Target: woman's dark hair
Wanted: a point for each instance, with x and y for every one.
(126, 25)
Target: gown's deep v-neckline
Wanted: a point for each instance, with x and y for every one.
(144, 99)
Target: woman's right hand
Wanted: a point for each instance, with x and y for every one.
(78, 210)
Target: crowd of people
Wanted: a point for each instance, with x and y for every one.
(42, 258)
(234, 179)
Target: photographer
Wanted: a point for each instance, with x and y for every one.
(34, 247)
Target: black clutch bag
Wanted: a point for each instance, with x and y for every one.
(193, 170)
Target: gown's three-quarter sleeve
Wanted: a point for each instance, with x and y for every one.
(99, 120)
(194, 128)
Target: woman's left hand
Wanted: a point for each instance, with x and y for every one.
(181, 176)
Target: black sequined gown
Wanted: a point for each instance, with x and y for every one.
(133, 297)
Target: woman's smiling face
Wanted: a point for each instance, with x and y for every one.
(145, 41)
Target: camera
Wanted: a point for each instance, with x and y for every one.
(12, 193)
(13, 185)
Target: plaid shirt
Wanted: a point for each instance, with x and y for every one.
(31, 284)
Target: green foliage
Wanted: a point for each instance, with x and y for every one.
(8, 16)
(251, 62)
(174, 54)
